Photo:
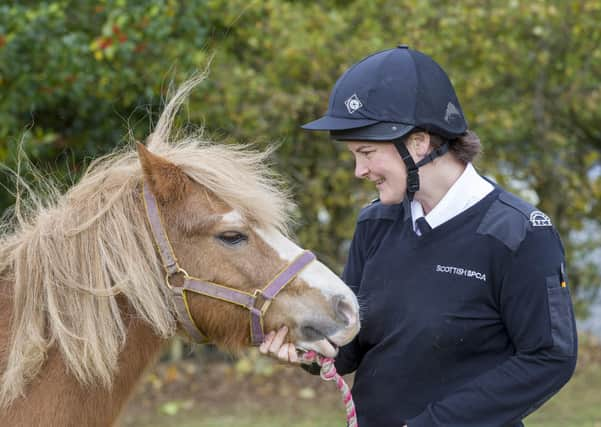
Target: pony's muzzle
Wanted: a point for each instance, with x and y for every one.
(337, 329)
(344, 310)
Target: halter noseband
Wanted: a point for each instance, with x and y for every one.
(257, 303)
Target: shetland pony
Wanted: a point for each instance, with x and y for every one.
(84, 302)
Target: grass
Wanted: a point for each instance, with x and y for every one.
(312, 415)
(277, 401)
(578, 404)
(255, 420)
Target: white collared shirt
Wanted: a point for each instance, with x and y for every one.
(468, 190)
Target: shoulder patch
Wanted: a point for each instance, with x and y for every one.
(506, 222)
(376, 211)
(536, 217)
(515, 202)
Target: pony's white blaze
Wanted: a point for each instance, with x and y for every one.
(316, 275)
(233, 219)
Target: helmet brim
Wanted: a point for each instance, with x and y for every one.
(383, 131)
(337, 123)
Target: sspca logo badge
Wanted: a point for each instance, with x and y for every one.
(539, 219)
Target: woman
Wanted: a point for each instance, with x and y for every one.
(467, 314)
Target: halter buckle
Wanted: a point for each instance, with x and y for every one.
(266, 301)
(180, 272)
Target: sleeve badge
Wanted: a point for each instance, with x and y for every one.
(539, 219)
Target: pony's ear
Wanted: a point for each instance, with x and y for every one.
(166, 180)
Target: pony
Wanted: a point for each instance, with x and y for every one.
(87, 301)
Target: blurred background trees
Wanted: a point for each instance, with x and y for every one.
(76, 76)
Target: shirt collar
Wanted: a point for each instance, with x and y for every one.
(468, 190)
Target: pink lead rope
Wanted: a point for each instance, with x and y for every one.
(328, 373)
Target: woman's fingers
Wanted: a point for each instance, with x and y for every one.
(287, 353)
(264, 347)
(283, 353)
(275, 346)
(292, 354)
(278, 340)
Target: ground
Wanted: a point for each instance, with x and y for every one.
(257, 392)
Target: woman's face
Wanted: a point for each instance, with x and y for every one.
(380, 163)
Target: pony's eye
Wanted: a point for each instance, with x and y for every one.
(232, 237)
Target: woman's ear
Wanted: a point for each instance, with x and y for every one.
(419, 142)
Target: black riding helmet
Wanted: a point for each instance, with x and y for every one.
(386, 96)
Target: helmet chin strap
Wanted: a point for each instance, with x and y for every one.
(412, 167)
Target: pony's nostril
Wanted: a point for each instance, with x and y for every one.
(343, 309)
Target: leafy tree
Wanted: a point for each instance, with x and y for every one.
(527, 75)
(73, 75)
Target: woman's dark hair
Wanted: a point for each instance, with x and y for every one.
(465, 147)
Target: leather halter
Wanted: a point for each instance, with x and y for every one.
(257, 303)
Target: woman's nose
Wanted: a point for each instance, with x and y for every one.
(361, 170)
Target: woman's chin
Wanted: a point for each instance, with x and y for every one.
(389, 199)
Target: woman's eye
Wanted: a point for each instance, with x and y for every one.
(232, 237)
(366, 153)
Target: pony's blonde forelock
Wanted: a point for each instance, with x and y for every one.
(79, 260)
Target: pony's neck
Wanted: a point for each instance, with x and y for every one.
(56, 398)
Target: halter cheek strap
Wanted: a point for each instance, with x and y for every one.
(257, 302)
(170, 265)
(160, 236)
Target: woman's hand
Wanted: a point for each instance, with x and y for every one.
(275, 346)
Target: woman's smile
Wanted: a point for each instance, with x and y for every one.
(381, 164)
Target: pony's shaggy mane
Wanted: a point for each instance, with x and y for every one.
(74, 253)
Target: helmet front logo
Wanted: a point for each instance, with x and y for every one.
(353, 103)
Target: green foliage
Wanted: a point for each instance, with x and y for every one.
(75, 75)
